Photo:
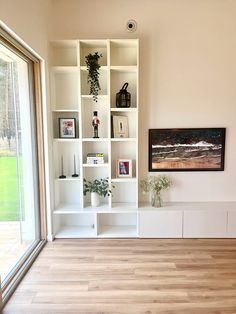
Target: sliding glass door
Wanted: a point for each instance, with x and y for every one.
(19, 192)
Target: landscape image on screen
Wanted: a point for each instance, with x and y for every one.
(187, 148)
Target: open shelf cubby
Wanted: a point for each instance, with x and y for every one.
(95, 147)
(64, 53)
(65, 152)
(75, 225)
(124, 52)
(88, 106)
(120, 197)
(64, 89)
(102, 80)
(68, 193)
(92, 46)
(117, 225)
(118, 78)
(56, 115)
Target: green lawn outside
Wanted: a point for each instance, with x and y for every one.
(9, 210)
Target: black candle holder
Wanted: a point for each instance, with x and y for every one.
(74, 175)
(62, 176)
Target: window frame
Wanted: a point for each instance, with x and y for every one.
(36, 99)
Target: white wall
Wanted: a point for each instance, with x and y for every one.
(29, 19)
(188, 66)
(188, 72)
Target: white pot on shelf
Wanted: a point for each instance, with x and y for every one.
(95, 199)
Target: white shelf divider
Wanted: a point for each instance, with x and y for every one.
(67, 209)
(124, 68)
(102, 68)
(124, 207)
(66, 110)
(69, 179)
(64, 69)
(101, 207)
(122, 180)
(67, 140)
(124, 109)
(117, 232)
(89, 139)
(91, 96)
(123, 139)
(68, 232)
(96, 165)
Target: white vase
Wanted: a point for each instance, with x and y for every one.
(95, 199)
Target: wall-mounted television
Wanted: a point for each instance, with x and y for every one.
(195, 149)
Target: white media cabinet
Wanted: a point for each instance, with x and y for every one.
(189, 220)
(173, 220)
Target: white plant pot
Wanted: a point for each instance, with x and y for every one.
(95, 199)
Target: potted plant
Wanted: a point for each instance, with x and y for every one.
(97, 188)
(155, 185)
(93, 67)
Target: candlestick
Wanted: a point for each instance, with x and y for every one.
(62, 176)
(75, 174)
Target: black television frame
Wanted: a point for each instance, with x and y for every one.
(177, 140)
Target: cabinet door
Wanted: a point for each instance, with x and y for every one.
(231, 228)
(205, 224)
(160, 224)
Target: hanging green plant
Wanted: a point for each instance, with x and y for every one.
(93, 66)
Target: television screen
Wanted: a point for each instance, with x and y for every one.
(197, 149)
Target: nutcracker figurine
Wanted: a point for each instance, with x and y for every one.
(95, 124)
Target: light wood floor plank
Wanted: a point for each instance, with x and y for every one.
(130, 276)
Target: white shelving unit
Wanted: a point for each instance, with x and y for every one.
(73, 216)
(119, 215)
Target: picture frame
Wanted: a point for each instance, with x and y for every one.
(124, 168)
(67, 127)
(120, 127)
(187, 149)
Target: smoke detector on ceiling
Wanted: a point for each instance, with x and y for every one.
(131, 26)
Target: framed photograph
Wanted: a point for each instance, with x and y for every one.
(67, 127)
(120, 126)
(124, 168)
(195, 149)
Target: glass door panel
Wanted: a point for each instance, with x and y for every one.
(19, 210)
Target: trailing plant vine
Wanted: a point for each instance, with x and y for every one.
(93, 67)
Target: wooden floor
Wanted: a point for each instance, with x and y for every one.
(130, 276)
(12, 245)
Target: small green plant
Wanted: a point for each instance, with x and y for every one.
(155, 185)
(93, 67)
(100, 186)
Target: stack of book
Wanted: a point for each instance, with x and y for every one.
(95, 158)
